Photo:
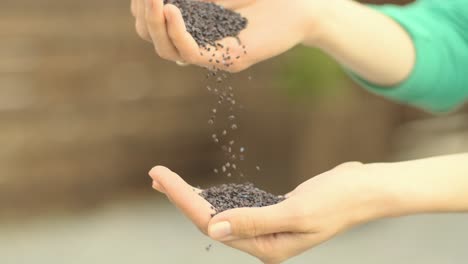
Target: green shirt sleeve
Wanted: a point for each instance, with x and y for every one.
(439, 80)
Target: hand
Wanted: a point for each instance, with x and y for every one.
(313, 213)
(274, 27)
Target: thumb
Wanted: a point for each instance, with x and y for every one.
(252, 222)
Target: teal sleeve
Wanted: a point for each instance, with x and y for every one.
(439, 80)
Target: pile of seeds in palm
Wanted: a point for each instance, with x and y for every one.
(230, 196)
(208, 22)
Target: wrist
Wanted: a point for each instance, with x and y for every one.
(319, 20)
(387, 194)
(408, 188)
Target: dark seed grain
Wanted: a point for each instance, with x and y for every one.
(230, 196)
(208, 22)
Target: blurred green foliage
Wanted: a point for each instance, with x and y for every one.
(307, 72)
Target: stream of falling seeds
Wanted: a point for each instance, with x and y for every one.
(225, 111)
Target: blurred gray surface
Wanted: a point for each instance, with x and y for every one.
(152, 231)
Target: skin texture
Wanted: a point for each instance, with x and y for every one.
(344, 29)
(336, 200)
(326, 205)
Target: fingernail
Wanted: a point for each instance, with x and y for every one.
(220, 230)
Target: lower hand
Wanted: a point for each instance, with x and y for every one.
(314, 212)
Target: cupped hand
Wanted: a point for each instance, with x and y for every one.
(274, 27)
(312, 213)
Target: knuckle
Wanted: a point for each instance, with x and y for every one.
(164, 56)
(350, 165)
(141, 31)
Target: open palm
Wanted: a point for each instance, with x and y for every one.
(314, 212)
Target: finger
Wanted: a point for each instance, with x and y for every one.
(274, 249)
(182, 40)
(156, 24)
(158, 187)
(133, 7)
(141, 27)
(231, 4)
(184, 196)
(253, 222)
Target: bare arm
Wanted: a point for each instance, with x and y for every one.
(364, 40)
(430, 185)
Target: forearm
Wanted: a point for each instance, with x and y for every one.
(365, 41)
(430, 185)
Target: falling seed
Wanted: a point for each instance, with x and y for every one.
(234, 127)
(216, 140)
(224, 132)
(216, 91)
(228, 165)
(219, 79)
(208, 247)
(230, 88)
(242, 149)
(231, 142)
(241, 174)
(232, 117)
(233, 102)
(258, 168)
(214, 136)
(229, 149)
(224, 169)
(215, 171)
(234, 166)
(229, 174)
(214, 110)
(211, 122)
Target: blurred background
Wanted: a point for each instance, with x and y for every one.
(86, 109)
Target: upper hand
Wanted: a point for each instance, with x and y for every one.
(274, 27)
(313, 213)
